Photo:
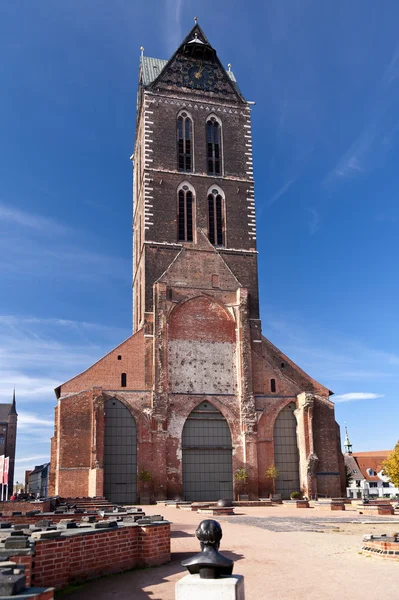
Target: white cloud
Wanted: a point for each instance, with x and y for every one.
(173, 20)
(30, 459)
(356, 396)
(32, 221)
(30, 420)
(314, 220)
(280, 192)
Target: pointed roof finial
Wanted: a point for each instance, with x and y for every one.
(196, 20)
(13, 410)
(142, 50)
(229, 66)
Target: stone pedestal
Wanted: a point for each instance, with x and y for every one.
(191, 587)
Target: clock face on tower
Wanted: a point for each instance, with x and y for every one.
(198, 76)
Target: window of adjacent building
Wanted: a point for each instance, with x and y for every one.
(385, 484)
(185, 214)
(123, 380)
(185, 142)
(213, 144)
(273, 385)
(373, 484)
(216, 219)
(357, 482)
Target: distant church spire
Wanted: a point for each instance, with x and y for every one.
(13, 410)
(347, 444)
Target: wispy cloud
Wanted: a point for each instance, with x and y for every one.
(334, 359)
(30, 220)
(280, 192)
(37, 354)
(353, 396)
(378, 130)
(27, 420)
(30, 459)
(314, 220)
(174, 35)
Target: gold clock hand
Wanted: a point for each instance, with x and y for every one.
(198, 73)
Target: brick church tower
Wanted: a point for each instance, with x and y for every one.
(196, 392)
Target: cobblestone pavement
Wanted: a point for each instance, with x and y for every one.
(310, 523)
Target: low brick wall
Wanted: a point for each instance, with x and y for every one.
(382, 548)
(376, 509)
(76, 556)
(331, 506)
(302, 504)
(34, 519)
(23, 507)
(26, 561)
(256, 502)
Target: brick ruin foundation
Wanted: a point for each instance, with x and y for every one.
(58, 550)
(382, 546)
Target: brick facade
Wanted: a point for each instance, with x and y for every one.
(197, 334)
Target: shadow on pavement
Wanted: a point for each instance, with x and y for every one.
(180, 534)
(133, 584)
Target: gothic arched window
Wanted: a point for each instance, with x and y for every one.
(184, 142)
(185, 213)
(216, 217)
(214, 146)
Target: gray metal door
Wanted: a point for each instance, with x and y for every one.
(286, 456)
(207, 455)
(120, 453)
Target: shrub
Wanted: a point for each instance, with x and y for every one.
(145, 475)
(295, 495)
(241, 476)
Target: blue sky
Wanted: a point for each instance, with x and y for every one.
(325, 78)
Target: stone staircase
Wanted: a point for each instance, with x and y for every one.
(88, 504)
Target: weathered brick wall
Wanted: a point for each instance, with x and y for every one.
(324, 434)
(154, 545)
(27, 562)
(106, 373)
(269, 361)
(33, 520)
(7, 508)
(57, 562)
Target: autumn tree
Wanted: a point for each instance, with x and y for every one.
(390, 466)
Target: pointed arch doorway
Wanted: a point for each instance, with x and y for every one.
(207, 455)
(120, 453)
(286, 455)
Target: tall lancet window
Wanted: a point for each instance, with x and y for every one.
(185, 210)
(185, 142)
(216, 217)
(214, 146)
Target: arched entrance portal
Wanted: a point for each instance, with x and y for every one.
(120, 453)
(286, 457)
(207, 455)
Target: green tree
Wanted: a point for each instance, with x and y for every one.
(241, 477)
(272, 473)
(391, 466)
(348, 476)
